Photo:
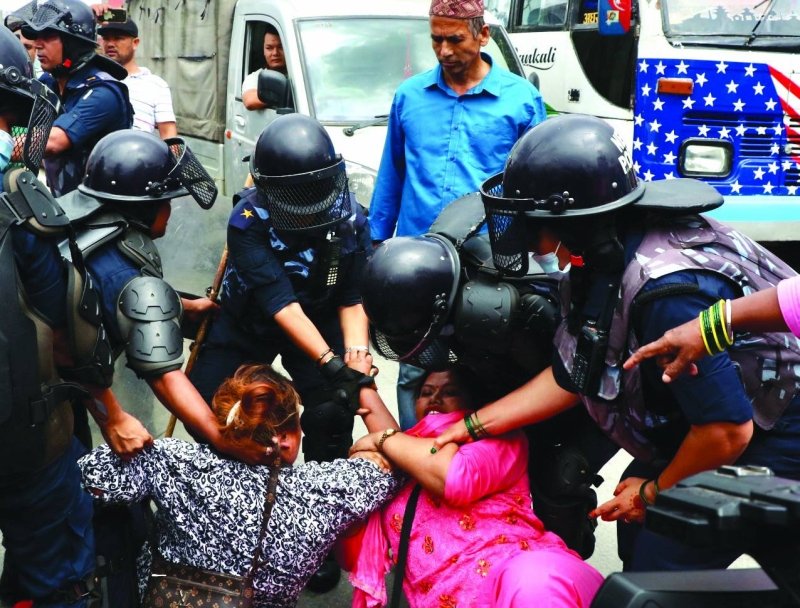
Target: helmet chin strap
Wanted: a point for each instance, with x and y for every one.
(74, 59)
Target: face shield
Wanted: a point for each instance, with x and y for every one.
(44, 107)
(190, 174)
(305, 202)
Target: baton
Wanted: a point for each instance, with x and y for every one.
(194, 349)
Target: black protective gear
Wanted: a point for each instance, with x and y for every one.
(302, 178)
(327, 425)
(71, 18)
(422, 275)
(29, 101)
(149, 317)
(561, 488)
(346, 381)
(35, 413)
(573, 173)
(131, 166)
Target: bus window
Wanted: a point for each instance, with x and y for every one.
(607, 61)
(545, 14)
(500, 9)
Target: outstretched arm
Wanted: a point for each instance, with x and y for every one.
(181, 398)
(705, 447)
(539, 399)
(678, 349)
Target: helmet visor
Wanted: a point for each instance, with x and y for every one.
(507, 229)
(44, 106)
(191, 174)
(34, 18)
(306, 201)
(428, 354)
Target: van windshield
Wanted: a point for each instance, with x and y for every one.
(757, 23)
(353, 66)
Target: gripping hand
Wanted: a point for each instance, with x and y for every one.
(346, 382)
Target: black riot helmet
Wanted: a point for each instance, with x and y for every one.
(302, 178)
(25, 100)
(129, 166)
(74, 22)
(408, 292)
(564, 172)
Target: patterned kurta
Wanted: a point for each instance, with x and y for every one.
(210, 509)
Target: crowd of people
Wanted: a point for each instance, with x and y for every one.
(530, 351)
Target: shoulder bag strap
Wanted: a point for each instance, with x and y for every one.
(269, 502)
(402, 550)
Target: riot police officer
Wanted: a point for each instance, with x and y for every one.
(94, 101)
(438, 299)
(45, 516)
(120, 207)
(643, 260)
(297, 244)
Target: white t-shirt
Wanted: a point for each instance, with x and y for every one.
(251, 81)
(151, 100)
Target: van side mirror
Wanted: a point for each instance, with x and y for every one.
(273, 89)
(614, 17)
(533, 78)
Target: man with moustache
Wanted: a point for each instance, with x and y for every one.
(449, 129)
(150, 95)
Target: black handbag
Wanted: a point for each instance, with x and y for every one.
(174, 585)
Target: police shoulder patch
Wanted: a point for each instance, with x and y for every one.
(243, 216)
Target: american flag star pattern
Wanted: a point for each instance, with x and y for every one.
(752, 106)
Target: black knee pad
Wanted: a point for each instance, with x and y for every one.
(328, 430)
(561, 487)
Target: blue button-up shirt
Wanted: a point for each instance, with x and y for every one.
(441, 145)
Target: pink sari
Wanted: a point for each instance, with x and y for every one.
(462, 548)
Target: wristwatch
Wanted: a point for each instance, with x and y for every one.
(386, 434)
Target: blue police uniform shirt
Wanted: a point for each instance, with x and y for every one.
(93, 105)
(41, 271)
(111, 271)
(440, 145)
(268, 271)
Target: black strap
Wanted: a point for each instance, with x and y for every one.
(269, 502)
(402, 550)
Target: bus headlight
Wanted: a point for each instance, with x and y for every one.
(705, 158)
(361, 181)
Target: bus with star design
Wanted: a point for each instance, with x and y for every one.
(709, 90)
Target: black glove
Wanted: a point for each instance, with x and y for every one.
(346, 382)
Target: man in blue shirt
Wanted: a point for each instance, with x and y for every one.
(94, 102)
(449, 129)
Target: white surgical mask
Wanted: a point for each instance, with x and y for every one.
(549, 263)
(6, 147)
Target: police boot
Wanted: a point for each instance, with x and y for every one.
(327, 577)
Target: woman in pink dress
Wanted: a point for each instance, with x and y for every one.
(475, 540)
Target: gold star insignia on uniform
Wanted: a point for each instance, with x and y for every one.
(247, 213)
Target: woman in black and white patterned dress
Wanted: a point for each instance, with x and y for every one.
(210, 508)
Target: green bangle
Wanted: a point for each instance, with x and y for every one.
(479, 428)
(470, 427)
(643, 495)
